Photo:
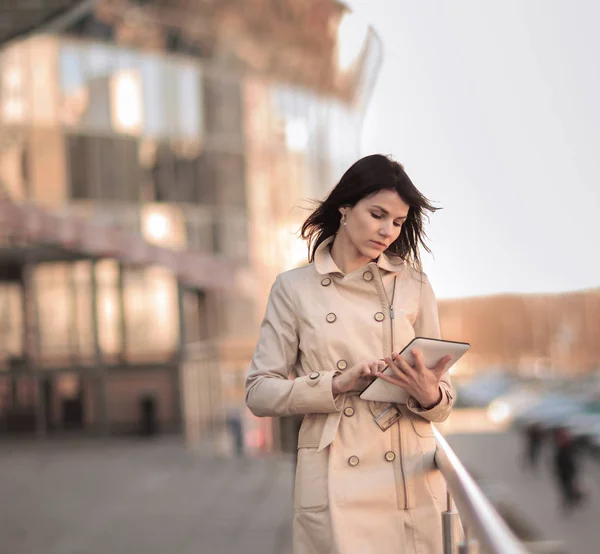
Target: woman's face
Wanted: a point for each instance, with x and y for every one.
(375, 222)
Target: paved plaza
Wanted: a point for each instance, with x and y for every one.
(129, 496)
(496, 459)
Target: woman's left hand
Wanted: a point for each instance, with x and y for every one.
(421, 382)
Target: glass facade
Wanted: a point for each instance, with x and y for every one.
(106, 88)
(184, 141)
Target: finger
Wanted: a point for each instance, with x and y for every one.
(442, 365)
(365, 370)
(403, 365)
(398, 381)
(397, 370)
(373, 367)
(377, 366)
(390, 363)
(419, 361)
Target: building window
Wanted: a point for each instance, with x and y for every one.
(223, 106)
(104, 168)
(151, 314)
(109, 307)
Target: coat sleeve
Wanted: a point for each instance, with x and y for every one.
(427, 324)
(269, 391)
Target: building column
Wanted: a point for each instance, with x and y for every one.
(32, 342)
(31, 323)
(74, 352)
(99, 369)
(41, 422)
(122, 317)
(176, 372)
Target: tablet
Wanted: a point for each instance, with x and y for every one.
(433, 351)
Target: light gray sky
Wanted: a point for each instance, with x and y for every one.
(493, 108)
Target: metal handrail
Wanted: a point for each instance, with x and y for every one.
(476, 512)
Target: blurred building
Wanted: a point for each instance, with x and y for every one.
(198, 126)
(531, 335)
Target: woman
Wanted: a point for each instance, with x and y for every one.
(365, 480)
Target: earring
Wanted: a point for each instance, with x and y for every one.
(343, 219)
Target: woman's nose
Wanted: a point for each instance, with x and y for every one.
(385, 230)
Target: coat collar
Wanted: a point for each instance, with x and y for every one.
(324, 262)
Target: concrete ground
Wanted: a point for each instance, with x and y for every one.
(496, 458)
(130, 497)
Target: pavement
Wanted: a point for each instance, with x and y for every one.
(130, 496)
(495, 459)
(111, 496)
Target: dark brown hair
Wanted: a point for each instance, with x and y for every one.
(365, 178)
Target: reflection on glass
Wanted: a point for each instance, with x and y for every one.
(11, 323)
(12, 78)
(296, 134)
(130, 91)
(67, 385)
(107, 274)
(352, 33)
(65, 313)
(126, 104)
(157, 226)
(13, 110)
(54, 309)
(297, 137)
(13, 86)
(83, 336)
(163, 225)
(152, 324)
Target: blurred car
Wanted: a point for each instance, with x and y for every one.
(482, 390)
(505, 408)
(552, 410)
(583, 424)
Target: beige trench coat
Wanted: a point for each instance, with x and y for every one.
(359, 490)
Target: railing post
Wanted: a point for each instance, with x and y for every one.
(449, 521)
(491, 533)
(469, 545)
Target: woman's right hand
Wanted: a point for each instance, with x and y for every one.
(357, 377)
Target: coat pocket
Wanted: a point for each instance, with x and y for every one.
(311, 430)
(436, 480)
(311, 492)
(428, 446)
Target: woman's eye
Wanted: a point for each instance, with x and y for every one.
(397, 224)
(376, 216)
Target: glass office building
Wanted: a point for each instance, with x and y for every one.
(199, 128)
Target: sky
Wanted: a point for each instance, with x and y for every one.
(493, 109)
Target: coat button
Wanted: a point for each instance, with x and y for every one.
(390, 456)
(326, 282)
(342, 364)
(314, 375)
(353, 461)
(379, 316)
(331, 317)
(367, 276)
(349, 411)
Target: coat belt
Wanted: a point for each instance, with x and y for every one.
(333, 421)
(330, 429)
